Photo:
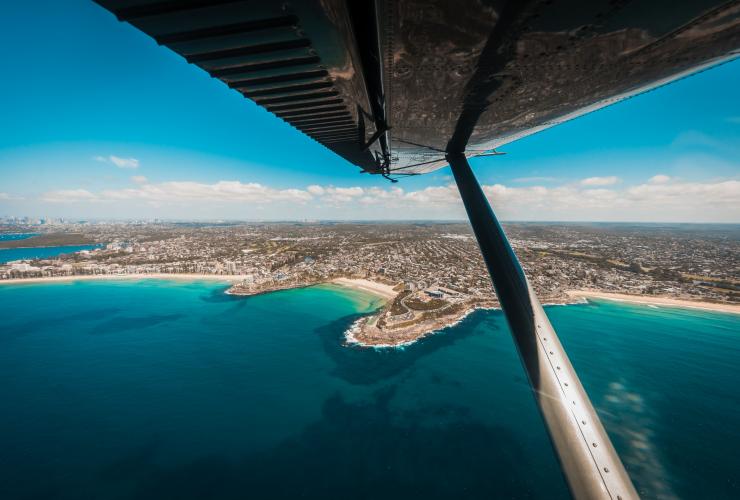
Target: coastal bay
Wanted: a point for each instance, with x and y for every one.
(365, 331)
(186, 386)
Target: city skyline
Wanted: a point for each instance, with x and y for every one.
(131, 130)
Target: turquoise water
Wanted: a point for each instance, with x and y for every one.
(16, 236)
(11, 254)
(159, 389)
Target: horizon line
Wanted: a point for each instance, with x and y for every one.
(309, 220)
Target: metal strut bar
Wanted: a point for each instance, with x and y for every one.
(587, 457)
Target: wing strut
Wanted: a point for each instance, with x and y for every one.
(589, 461)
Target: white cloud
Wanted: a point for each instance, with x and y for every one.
(659, 179)
(676, 201)
(9, 197)
(710, 201)
(139, 179)
(680, 195)
(222, 191)
(432, 195)
(118, 161)
(600, 181)
(338, 195)
(658, 199)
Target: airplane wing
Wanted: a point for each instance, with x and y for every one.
(390, 85)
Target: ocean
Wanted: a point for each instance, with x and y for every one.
(166, 389)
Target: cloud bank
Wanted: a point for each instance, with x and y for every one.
(659, 198)
(600, 181)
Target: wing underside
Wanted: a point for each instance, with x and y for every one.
(392, 85)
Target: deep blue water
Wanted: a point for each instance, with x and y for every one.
(160, 389)
(10, 254)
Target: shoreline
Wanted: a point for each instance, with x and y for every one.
(291, 286)
(50, 246)
(125, 277)
(381, 290)
(350, 337)
(650, 300)
(387, 294)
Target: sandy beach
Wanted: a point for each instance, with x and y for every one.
(379, 289)
(120, 277)
(384, 291)
(655, 301)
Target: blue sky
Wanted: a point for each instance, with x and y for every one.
(99, 121)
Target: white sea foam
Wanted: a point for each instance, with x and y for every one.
(354, 328)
